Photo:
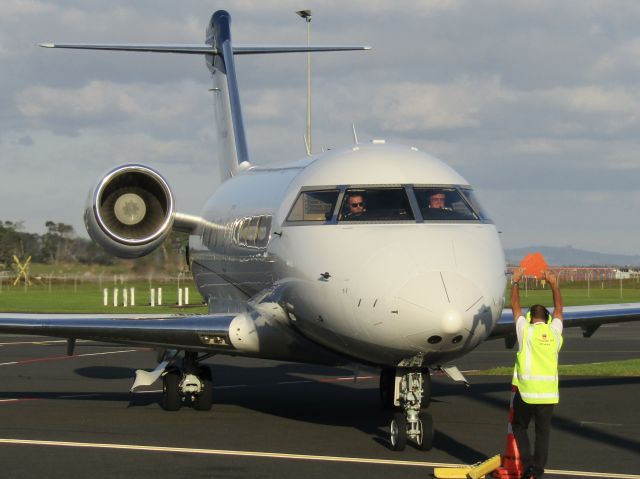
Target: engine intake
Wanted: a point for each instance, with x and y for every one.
(131, 211)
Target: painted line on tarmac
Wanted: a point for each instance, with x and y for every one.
(222, 452)
(68, 396)
(346, 378)
(62, 358)
(325, 380)
(42, 343)
(277, 455)
(596, 423)
(591, 474)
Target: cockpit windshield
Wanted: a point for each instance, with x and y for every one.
(375, 204)
(386, 204)
(443, 204)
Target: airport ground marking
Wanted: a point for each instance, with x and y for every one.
(278, 455)
(42, 343)
(68, 396)
(75, 356)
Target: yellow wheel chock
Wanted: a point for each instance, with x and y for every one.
(475, 471)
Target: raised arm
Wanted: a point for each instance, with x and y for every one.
(515, 293)
(557, 297)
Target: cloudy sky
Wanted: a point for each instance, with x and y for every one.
(535, 102)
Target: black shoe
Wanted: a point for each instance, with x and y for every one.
(528, 473)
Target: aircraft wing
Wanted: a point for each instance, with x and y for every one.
(262, 331)
(589, 318)
(209, 332)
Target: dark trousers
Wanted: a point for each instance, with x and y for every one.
(522, 415)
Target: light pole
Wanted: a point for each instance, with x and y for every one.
(306, 14)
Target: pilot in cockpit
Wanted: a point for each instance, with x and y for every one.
(355, 206)
(437, 208)
(438, 200)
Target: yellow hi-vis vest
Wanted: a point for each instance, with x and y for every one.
(536, 370)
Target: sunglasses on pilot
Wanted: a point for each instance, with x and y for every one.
(355, 205)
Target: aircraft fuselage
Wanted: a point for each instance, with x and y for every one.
(389, 285)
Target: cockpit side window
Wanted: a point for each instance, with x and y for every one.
(375, 204)
(314, 206)
(444, 204)
(472, 199)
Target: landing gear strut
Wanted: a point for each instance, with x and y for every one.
(189, 384)
(410, 390)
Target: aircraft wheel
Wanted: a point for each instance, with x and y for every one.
(171, 399)
(204, 400)
(426, 434)
(398, 431)
(387, 387)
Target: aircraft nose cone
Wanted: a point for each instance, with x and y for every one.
(441, 304)
(452, 322)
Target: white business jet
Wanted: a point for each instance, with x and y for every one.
(377, 254)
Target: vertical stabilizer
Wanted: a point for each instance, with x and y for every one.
(231, 138)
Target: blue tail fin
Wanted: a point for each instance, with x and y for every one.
(232, 140)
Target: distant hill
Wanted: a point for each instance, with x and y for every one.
(570, 256)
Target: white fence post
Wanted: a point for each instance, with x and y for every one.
(153, 297)
(125, 298)
(115, 297)
(186, 295)
(159, 296)
(133, 296)
(105, 296)
(179, 296)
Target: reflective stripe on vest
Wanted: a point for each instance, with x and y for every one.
(536, 369)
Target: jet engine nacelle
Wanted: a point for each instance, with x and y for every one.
(130, 212)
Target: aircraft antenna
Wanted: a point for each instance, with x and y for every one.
(306, 145)
(355, 134)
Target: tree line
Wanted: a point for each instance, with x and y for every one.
(59, 244)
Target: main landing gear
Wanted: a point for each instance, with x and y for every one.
(189, 384)
(407, 391)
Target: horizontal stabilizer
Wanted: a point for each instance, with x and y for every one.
(204, 49)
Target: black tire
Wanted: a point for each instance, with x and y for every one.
(387, 387)
(425, 438)
(398, 431)
(204, 400)
(426, 390)
(171, 399)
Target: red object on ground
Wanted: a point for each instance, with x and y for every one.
(511, 467)
(534, 265)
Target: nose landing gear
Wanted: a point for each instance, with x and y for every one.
(411, 391)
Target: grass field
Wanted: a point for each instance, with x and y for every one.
(577, 294)
(73, 293)
(75, 296)
(628, 367)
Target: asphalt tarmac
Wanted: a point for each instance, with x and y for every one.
(74, 417)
